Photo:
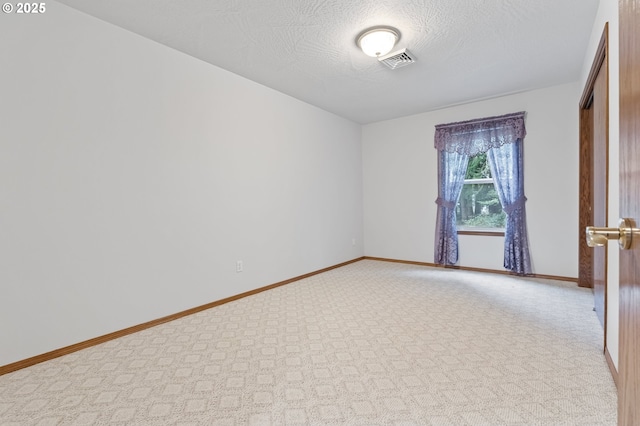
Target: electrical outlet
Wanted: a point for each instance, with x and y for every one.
(353, 241)
(239, 266)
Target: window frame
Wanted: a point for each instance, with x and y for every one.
(477, 230)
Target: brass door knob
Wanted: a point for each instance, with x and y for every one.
(597, 237)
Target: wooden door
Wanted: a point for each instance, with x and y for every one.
(594, 160)
(600, 184)
(629, 361)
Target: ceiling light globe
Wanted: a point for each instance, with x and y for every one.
(377, 42)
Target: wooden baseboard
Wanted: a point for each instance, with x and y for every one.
(612, 367)
(467, 268)
(4, 369)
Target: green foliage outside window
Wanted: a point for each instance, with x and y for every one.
(479, 205)
(478, 167)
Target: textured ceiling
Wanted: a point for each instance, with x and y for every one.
(465, 50)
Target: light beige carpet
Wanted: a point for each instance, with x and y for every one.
(371, 343)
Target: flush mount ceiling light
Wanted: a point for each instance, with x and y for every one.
(377, 41)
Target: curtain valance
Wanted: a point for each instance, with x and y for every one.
(476, 136)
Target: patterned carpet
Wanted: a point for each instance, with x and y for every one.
(371, 343)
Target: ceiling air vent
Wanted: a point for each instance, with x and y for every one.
(400, 58)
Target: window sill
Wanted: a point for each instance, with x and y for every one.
(485, 232)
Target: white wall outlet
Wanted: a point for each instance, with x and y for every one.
(239, 266)
(353, 241)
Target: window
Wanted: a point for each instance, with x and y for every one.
(479, 209)
(497, 141)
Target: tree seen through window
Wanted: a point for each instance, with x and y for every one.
(479, 205)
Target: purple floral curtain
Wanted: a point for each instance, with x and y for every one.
(501, 137)
(452, 168)
(508, 177)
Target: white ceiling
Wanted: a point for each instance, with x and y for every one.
(465, 49)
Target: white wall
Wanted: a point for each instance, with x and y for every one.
(400, 183)
(608, 12)
(132, 177)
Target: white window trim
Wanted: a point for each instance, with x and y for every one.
(482, 180)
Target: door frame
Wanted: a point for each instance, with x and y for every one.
(585, 190)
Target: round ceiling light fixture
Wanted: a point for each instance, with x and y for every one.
(377, 41)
